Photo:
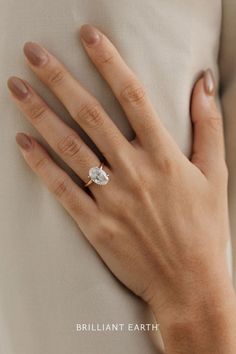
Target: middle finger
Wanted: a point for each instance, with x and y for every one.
(83, 107)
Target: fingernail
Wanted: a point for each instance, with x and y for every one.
(209, 82)
(24, 141)
(18, 88)
(89, 34)
(35, 54)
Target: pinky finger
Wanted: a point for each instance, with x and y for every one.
(76, 201)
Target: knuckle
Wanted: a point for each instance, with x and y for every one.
(106, 57)
(166, 166)
(91, 115)
(215, 122)
(133, 92)
(150, 125)
(140, 190)
(60, 187)
(41, 163)
(56, 77)
(84, 161)
(104, 236)
(38, 112)
(139, 186)
(69, 146)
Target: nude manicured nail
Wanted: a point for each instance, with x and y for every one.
(35, 54)
(89, 34)
(209, 82)
(18, 88)
(24, 141)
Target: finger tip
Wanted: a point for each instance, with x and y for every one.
(28, 45)
(201, 81)
(19, 136)
(203, 100)
(11, 83)
(11, 79)
(89, 34)
(24, 141)
(83, 29)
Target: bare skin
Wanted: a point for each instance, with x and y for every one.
(161, 229)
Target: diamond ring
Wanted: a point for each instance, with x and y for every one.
(97, 175)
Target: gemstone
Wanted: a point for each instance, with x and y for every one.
(98, 176)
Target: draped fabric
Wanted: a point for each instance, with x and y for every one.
(50, 277)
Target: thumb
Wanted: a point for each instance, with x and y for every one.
(208, 142)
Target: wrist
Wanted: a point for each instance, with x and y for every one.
(209, 328)
(204, 331)
(189, 290)
(207, 311)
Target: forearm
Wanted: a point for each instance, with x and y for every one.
(207, 324)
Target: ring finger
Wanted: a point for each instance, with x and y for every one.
(84, 108)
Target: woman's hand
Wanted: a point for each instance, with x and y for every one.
(161, 223)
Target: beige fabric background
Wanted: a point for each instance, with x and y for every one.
(50, 277)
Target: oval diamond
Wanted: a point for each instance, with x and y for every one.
(98, 176)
